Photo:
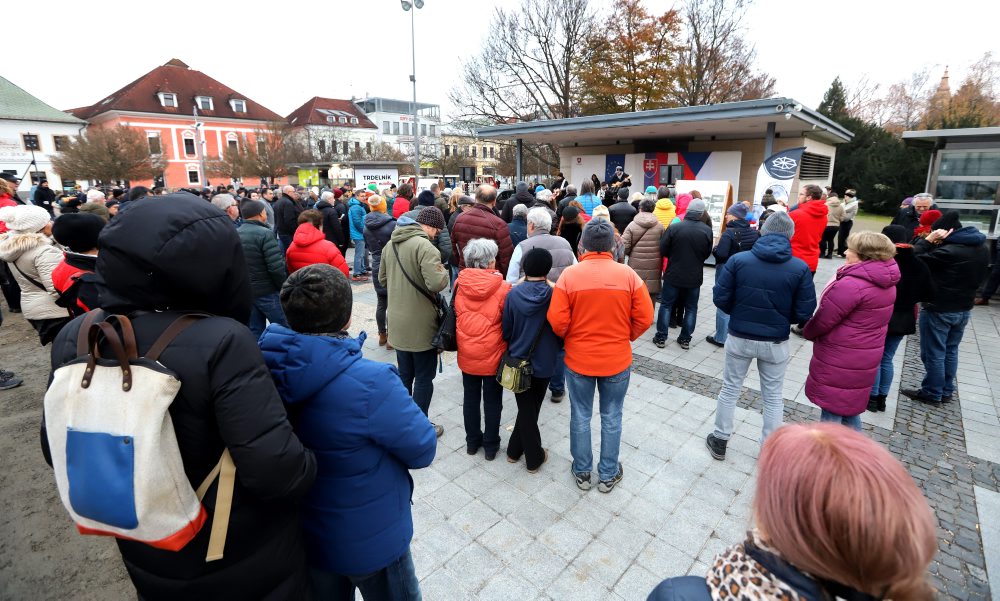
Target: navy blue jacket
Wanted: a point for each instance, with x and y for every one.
(738, 237)
(366, 433)
(765, 290)
(378, 231)
(523, 314)
(518, 230)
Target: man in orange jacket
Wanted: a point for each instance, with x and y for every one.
(810, 221)
(598, 307)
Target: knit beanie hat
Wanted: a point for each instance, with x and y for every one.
(377, 203)
(695, 209)
(537, 263)
(373, 188)
(895, 233)
(738, 210)
(431, 216)
(251, 208)
(337, 193)
(601, 212)
(24, 219)
(95, 208)
(930, 216)
(598, 236)
(623, 194)
(778, 223)
(317, 300)
(78, 231)
(425, 199)
(908, 201)
(447, 192)
(539, 188)
(948, 221)
(650, 189)
(570, 213)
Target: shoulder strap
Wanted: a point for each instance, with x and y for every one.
(29, 278)
(420, 288)
(82, 346)
(534, 343)
(173, 330)
(225, 470)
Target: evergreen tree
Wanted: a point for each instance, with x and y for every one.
(834, 104)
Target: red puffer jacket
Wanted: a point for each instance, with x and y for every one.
(481, 222)
(810, 221)
(399, 206)
(478, 314)
(309, 247)
(5, 201)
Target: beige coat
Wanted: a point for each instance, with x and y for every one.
(34, 255)
(834, 211)
(642, 246)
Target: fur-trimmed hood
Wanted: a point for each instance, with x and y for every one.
(12, 246)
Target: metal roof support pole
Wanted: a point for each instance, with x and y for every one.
(518, 154)
(769, 140)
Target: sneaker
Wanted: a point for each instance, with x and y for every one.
(711, 340)
(660, 342)
(511, 459)
(607, 486)
(558, 397)
(359, 278)
(582, 480)
(916, 395)
(8, 380)
(685, 344)
(716, 446)
(438, 430)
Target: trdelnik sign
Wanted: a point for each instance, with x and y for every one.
(383, 178)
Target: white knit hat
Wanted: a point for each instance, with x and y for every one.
(93, 195)
(24, 218)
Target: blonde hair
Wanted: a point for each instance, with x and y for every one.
(871, 246)
(6, 187)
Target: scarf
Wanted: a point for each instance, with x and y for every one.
(736, 576)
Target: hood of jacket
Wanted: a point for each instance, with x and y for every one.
(407, 228)
(12, 246)
(479, 284)
(179, 253)
(376, 220)
(683, 200)
(665, 204)
(354, 202)
(323, 205)
(815, 208)
(968, 235)
(773, 248)
(646, 220)
(884, 274)
(307, 234)
(524, 198)
(834, 201)
(307, 362)
(532, 298)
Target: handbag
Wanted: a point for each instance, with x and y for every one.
(514, 373)
(446, 338)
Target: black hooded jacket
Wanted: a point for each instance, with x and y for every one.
(333, 229)
(520, 198)
(161, 259)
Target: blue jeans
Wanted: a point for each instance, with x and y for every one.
(668, 295)
(265, 309)
(285, 242)
(883, 377)
(557, 383)
(416, 370)
(396, 581)
(612, 391)
(772, 359)
(359, 257)
(940, 335)
(852, 421)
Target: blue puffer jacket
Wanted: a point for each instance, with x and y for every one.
(356, 217)
(738, 237)
(524, 313)
(366, 432)
(765, 290)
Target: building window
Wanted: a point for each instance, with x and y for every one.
(60, 143)
(484, 152)
(357, 147)
(493, 152)
(814, 166)
(354, 120)
(406, 129)
(31, 142)
(433, 130)
(395, 128)
(262, 146)
(154, 143)
(343, 119)
(192, 176)
(168, 99)
(386, 128)
(204, 102)
(189, 147)
(346, 151)
(447, 150)
(368, 148)
(322, 146)
(233, 145)
(473, 152)
(239, 106)
(423, 129)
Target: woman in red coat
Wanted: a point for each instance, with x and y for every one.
(309, 246)
(480, 291)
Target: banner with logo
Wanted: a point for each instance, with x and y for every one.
(383, 178)
(777, 173)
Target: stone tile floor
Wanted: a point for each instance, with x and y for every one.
(490, 530)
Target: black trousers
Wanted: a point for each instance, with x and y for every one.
(826, 243)
(526, 439)
(11, 291)
(487, 390)
(845, 231)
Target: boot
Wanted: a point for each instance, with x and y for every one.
(873, 403)
(881, 402)
(383, 338)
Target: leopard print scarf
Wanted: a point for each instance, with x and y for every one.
(736, 576)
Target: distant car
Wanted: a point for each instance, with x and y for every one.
(504, 195)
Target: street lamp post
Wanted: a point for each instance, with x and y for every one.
(407, 5)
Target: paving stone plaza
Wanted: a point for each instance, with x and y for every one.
(489, 530)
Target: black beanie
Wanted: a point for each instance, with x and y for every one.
(895, 233)
(947, 221)
(317, 299)
(537, 263)
(78, 231)
(425, 199)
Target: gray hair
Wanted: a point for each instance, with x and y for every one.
(479, 253)
(223, 201)
(520, 210)
(571, 190)
(435, 186)
(923, 196)
(544, 195)
(327, 195)
(587, 187)
(540, 218)
(287, 189)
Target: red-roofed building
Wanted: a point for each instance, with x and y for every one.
(333, 128)
(181, 109)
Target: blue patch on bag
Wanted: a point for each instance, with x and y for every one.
(100, 468)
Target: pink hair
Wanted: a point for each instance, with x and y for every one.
(839, 506)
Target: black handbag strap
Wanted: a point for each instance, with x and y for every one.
(29, 278)
(427, 294)
(538, 337)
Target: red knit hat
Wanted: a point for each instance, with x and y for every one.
(929, 217)
(337, 193)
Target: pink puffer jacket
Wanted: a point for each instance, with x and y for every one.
(848, 333)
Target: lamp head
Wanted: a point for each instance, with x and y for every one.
(406, 5)
(418, 3)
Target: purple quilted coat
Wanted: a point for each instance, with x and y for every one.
(848, 333)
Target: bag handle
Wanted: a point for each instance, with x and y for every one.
(173, 330)
(116, 346)
(128, 334)
(81, 339)
(225, 470)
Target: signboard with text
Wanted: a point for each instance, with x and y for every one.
(383, 178)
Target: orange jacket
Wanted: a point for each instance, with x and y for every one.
(598, 307)
(478, 313)
(810, 221)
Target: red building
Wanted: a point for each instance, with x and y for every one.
(188, 117)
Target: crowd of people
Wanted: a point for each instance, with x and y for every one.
(553, 284)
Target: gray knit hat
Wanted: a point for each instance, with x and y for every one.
(598, 236)
(317, 299)
(778, 223)
(695, 209)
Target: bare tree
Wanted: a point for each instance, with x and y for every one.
(108, 154)
(277, 147)
(236, 163)
(906, 102)
(716, 63)
(864, 101)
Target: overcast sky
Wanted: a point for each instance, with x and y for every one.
(283, 54)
